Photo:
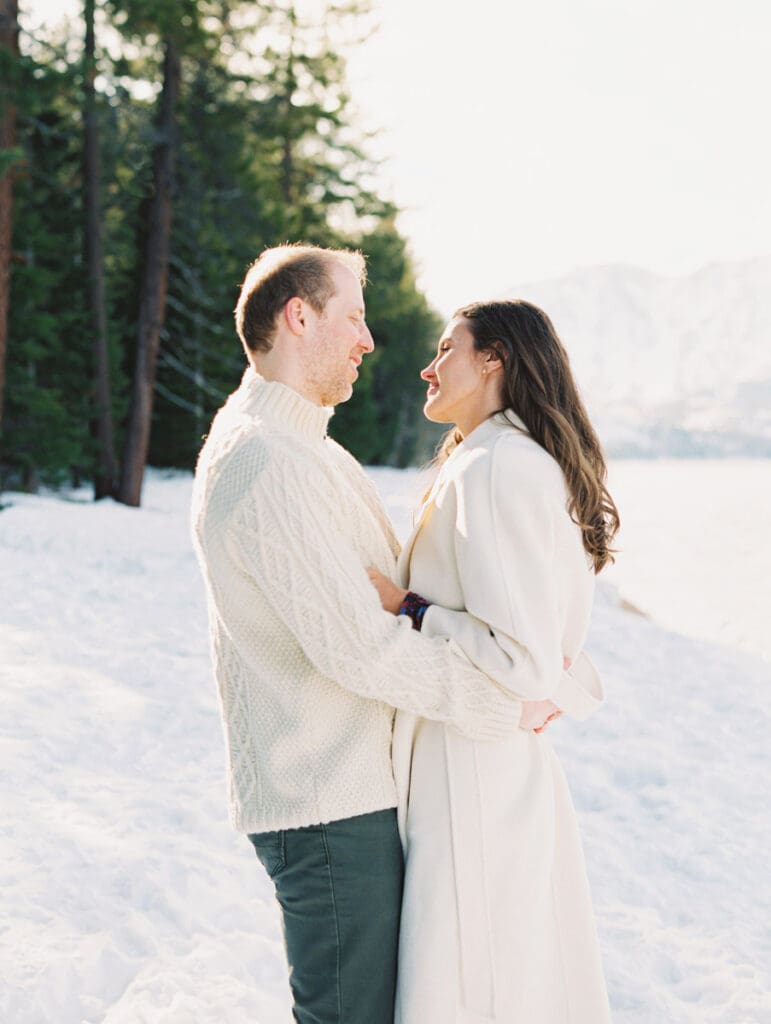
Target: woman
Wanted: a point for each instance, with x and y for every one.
(497, 922)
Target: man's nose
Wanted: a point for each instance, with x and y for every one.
(366, 340)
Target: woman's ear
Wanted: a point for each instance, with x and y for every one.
(493, 361)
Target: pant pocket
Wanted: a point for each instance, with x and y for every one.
(270, 848)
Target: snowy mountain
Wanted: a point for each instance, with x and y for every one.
(669, 365)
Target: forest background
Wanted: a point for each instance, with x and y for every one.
(147, 157)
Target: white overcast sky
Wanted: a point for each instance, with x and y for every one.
(527, 138)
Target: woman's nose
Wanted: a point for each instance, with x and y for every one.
(428, 372)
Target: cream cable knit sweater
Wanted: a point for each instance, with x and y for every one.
(308, 665)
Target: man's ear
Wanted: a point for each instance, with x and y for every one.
(295, 315)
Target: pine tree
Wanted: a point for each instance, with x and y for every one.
(9, 50)
(152, 296)
(48, 396)
(172, 21)
(104, 475)
(221, 224)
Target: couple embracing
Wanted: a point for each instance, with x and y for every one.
(385, 711)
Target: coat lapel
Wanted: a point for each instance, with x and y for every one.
(479, 435)
(403, 562)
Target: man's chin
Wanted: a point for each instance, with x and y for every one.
(339, 394)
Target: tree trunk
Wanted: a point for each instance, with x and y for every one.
(154, 280)
(287, 153)
(9, 40)
(286, 166)
(400, 436)
(104, 475)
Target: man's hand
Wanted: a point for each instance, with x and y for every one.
(551, 718)
(536, 714)
(390, 595)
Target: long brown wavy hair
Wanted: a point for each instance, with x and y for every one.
(539, 387)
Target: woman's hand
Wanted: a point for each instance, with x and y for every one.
(390, 595)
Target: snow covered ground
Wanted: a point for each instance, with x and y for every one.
(126, 897)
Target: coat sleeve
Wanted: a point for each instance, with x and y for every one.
(511, 628)
(289, 542)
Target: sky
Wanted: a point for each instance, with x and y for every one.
(530, 138)
(522, 140)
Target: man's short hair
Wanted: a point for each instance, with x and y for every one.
(283, 273)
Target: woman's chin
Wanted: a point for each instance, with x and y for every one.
(432, 410)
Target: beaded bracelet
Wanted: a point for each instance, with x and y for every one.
(414, 606)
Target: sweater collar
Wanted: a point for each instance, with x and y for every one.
(269, 399)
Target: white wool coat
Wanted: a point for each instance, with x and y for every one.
(497, 923)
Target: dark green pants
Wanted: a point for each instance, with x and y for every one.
(339, 886)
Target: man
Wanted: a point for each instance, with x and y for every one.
(309, 667)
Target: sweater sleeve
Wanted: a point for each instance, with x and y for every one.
(505, 550)
(289, 542)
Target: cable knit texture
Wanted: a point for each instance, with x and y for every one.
(308, 665)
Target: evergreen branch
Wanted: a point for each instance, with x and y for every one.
(176, 399)
(167, 359)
